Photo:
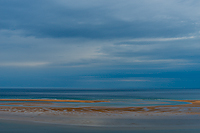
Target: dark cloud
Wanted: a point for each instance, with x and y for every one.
(48, 19)
(90, 43)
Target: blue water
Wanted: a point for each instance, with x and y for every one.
(84, 94)
(118, 97)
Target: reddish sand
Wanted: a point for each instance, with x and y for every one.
(185, 108)
(49, 111)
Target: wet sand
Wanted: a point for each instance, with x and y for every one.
(8, 126)
(162, 116)
(40, 105)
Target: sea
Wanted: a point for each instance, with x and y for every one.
(117, 97)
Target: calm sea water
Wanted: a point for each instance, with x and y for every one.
(118, 97)
(86, 94)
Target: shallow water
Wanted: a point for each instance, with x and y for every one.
(117, 98)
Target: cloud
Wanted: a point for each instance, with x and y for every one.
(100, 19)
(66, 40)
(23, 64)
(133, 80)
(160, 39)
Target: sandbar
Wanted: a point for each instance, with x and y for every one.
(101, 115)
(190, 106)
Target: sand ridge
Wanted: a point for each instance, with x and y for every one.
(191, 106)
(100, 115)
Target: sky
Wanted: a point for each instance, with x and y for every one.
(100, 43)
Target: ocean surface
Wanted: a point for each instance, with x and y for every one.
(117, 97)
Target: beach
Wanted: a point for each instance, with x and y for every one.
(161, 116)
(96, 111)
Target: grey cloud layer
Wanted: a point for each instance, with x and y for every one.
(100, 19)
(99, 38)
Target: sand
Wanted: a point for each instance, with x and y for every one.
(43, 105)
(46, 111)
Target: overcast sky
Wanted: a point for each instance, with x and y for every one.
(100, 43)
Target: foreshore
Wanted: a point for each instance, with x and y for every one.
(42, 105)
(45, 111)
